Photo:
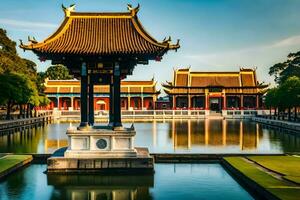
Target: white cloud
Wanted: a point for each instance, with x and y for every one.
(262, 57)
(291, 41)
(252, 56)
(26, 24)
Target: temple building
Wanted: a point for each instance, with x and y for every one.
(215, 91)
(135, 95)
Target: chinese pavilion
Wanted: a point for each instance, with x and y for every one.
(135, 95)
(215, 90)
(100, 49)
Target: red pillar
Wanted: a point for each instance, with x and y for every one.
(65, 104)
(60, 103)
(206, 102)
(224, 102)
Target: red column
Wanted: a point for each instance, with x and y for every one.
(75, 104)
(65, 105)
(206, 102)
(60, 104)
(257, 102)
(224, 102)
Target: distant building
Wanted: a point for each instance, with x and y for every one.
(163, 103)
(215, 91)
(135, 95)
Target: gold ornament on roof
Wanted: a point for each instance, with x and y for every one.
(132, 10)
(68, 10)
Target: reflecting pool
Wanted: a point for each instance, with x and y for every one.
(177, 136)
(170, 181)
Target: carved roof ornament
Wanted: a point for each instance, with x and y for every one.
(32, 40)
(132, 10)
(68, 10)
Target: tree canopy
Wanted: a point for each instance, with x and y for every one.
(10, 61)
(291, 67)
(17, 89)
(58, 72)
(18, 77)
(285, 96)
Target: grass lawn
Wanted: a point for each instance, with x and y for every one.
(287, 165)
(277, 187)
(9, 161)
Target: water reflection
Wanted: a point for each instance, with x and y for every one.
(97, 187)
(177, 136)
(187, 134)
(171, 181)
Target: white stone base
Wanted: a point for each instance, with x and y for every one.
(100, 142)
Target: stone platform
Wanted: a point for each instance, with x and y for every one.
(101, 150)
(100, 141)
(141, 164)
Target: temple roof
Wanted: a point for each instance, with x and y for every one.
(184, 78)
(73, 86)
(101, 34)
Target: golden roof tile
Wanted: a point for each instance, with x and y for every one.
(101, 34)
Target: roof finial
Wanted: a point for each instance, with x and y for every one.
(68, 10)
(32, 40)
(165, 40)
(132, 10)
(21, 42)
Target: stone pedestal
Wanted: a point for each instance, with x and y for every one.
(101, 150)
(101, 142)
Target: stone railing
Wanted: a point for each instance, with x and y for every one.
(164, 114)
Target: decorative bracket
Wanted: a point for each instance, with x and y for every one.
(68, 10)
(132, 10)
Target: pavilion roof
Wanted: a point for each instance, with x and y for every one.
(101, 34)
(184, 79)
(127, 87)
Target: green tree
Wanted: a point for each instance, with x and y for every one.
(40, 79)
(272, 99)
(20, 83)
(16, 89)
(58, 72)
(291, 67)
(290, 94)
(10, 61)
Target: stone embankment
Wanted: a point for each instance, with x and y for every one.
(292, 126)
(11, 126)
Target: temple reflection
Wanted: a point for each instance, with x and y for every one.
(208, 132)
(179, 136)
(100, 187)
(53, 144)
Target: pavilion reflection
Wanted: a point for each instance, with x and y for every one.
(100, 187)
(54, 144)
(208, 132)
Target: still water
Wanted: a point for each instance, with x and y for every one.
(170, 181)
(177, 136)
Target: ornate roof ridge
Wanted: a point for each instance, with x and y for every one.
(70, 15)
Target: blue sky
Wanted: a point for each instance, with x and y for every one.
(216, 35)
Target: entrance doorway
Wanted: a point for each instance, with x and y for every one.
(215, 104)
